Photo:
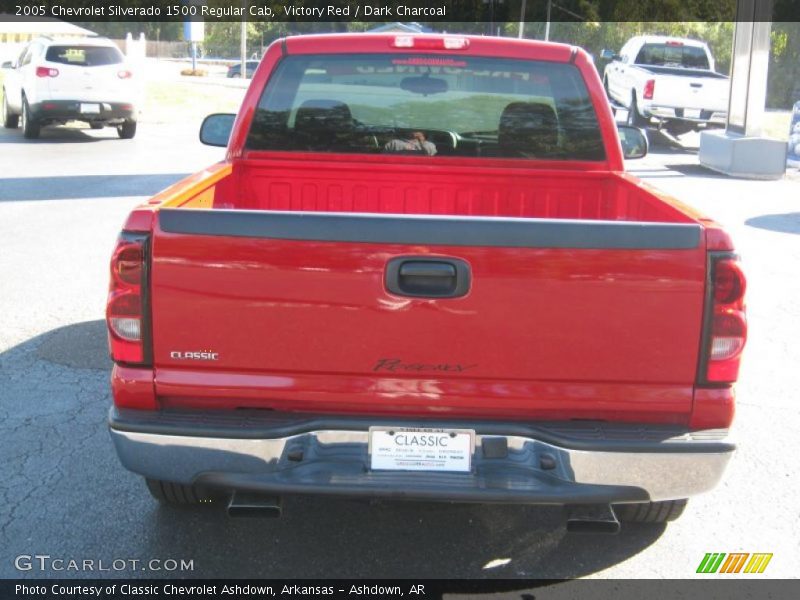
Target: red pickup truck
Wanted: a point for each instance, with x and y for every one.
(421, 272)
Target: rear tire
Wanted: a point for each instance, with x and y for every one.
(9, 121)
(179, 494)
(30, 127)
(650, 512)
(127, 130)
(634, 118)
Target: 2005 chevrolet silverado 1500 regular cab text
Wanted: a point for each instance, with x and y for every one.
(422, 272)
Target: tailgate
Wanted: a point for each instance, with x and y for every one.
(706, 93)
(558, 319)
(93, 83)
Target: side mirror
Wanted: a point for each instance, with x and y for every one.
(609, 55)
(7, 65)
(216, 129)
(633, 141)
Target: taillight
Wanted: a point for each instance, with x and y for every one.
(124, 74)
(437, 43)
(46, 72)
(725, 330)
(126, 311)
(649, 89)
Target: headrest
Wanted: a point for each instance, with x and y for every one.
(323, 116)
(527, 129)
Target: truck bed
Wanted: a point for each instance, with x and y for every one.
(586, 295)
(292, 184)
(403, 187)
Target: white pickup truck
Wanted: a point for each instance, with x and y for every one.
(671, 81)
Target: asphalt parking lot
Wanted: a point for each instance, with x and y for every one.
(63, 493)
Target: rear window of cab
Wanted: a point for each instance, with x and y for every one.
(428, 106)
(84, 56)
(673, 54)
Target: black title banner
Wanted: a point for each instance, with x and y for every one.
(423, 11)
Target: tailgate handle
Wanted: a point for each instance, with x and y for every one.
(423, 277)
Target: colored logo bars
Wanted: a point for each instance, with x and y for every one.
(718, 563)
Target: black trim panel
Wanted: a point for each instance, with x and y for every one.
(70, 110)
(431, 230)
(573, 435)
(348, 480)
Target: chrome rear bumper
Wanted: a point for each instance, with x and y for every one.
(680, 114)
(536, 463)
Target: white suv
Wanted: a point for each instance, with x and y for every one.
(55, 81)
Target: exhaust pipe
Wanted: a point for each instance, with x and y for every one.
(591, 518)
(251, 504)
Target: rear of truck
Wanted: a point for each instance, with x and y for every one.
(511, 318)
(677, 84)
(699, 98)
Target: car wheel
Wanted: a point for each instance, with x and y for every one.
(650, 512)
(9, 121)
(127, 130)
(634, 118)
(96, 125)
(180, 494)
(30, 126)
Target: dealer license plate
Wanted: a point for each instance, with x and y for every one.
(691, 113)
(90, 108)
(414, 449)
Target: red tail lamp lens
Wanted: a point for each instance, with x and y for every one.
(728, 334)
(125, 316)
(127, 265)
(125, 311)
(649, 89)
(727, 326)
(729, 282)
(46, 72)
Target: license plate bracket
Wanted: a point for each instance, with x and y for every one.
(421, 449)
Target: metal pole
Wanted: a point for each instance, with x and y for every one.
(547, 25)
(741, 150)
(522, 20)
(749, 67)
(243, 47)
